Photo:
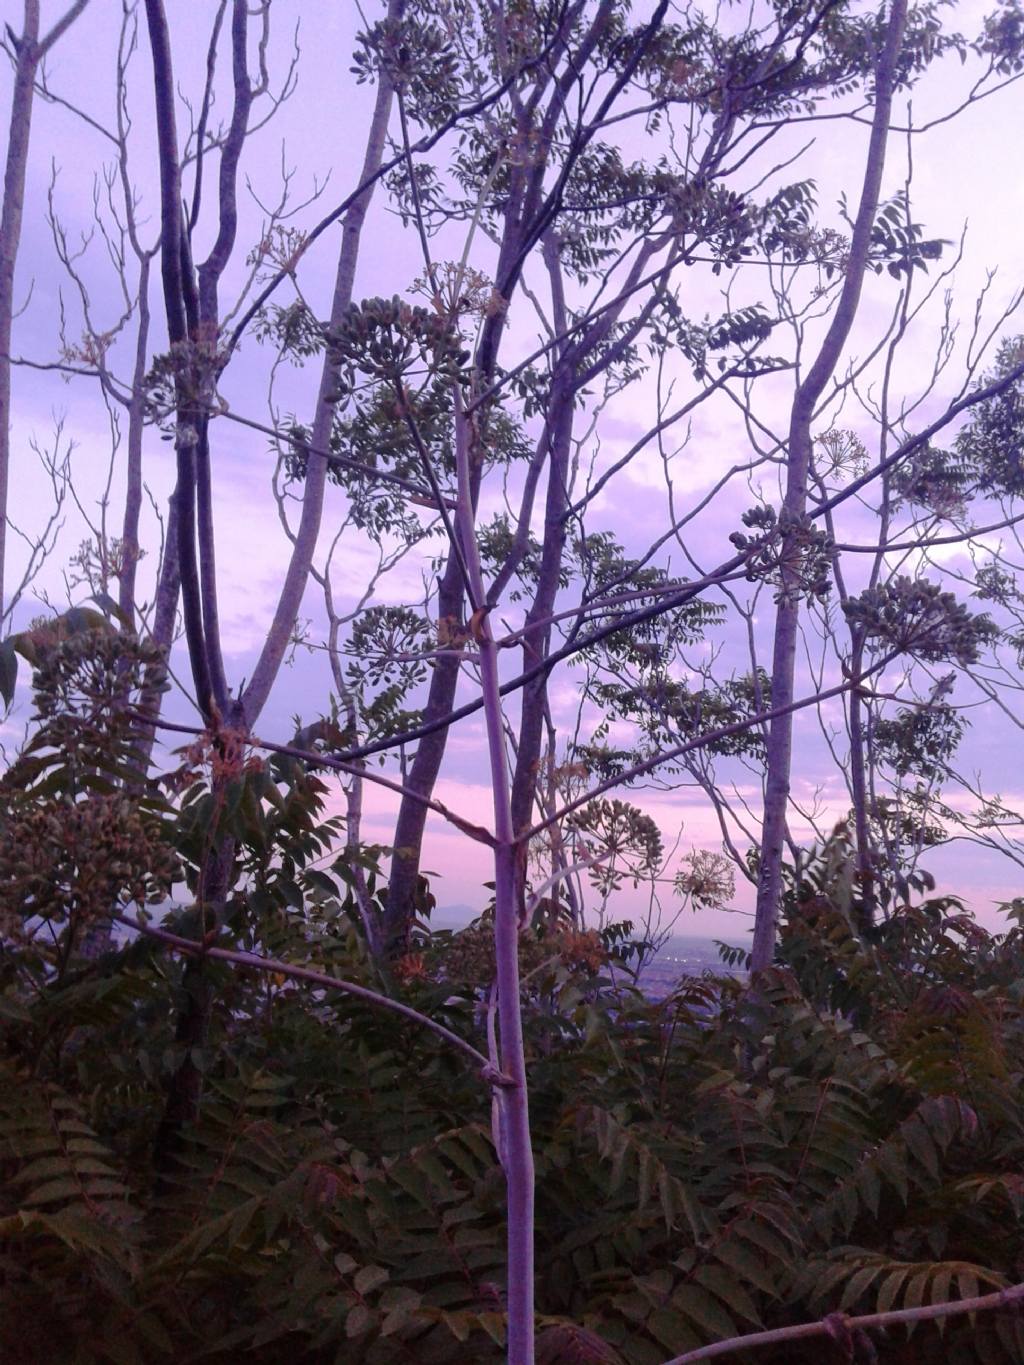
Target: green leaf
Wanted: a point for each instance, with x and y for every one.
(358, 1320)
(890, 1289)
(369, 1277)
(8, 670)
(857, 1284)
(747, 1263)
(54, 1191)
(919, 1141)
(494, 1325)
(705, 1310)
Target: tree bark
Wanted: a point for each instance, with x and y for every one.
(422, 775)
(29, 52)
(130, 548)
(865, 850)
(514, 1143)
(537, 634)
(780, 737)
(193, 331)
(180, 310)
(297, 576)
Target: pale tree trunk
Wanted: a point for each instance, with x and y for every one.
(165, 611)
(297, 576)
(29, 52)
(515, 1149)
(130, 548)
(563, 882)
(537, 632)
(780, 737)
(570, 374)
(528, 216)
(444, 679)
(368, 914)
(865, 851)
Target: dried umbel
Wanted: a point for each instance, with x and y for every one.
(915, 616)
(789, 552)
(88, 675)
(624, 838)
(707, 878)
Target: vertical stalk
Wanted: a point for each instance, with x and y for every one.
(10, 237)
(422, 775)
(178, 289)
(866, 871)
(537, 633)
(136, 421)
(280, 633)
(516, 1148)
(29, 51)
(780, 737)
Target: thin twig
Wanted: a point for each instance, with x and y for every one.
(257, 962)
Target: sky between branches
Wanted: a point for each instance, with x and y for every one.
(964, 172)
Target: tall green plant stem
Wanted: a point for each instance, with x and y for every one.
(787, 620)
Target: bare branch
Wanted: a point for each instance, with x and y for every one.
(827, 1327)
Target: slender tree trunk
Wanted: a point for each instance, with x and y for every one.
(571, 361)
(525, 218)
(10, 237)
(354, 791)
(444, 680)
(780, 737)
(865, 850)
(29, 51)
(136, 424)
(165, 611)
(182, 318)
(563, 883)
(515, 1147)
(422, 775)
(192, 321)
(297, 576)
(537, 636)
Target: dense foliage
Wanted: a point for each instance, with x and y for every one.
(847, 1136)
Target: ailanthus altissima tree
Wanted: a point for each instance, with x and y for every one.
(340, 1194)
(602, 220)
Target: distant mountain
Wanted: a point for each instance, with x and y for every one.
(453, 916)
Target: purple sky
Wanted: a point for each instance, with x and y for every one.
(963, 173)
